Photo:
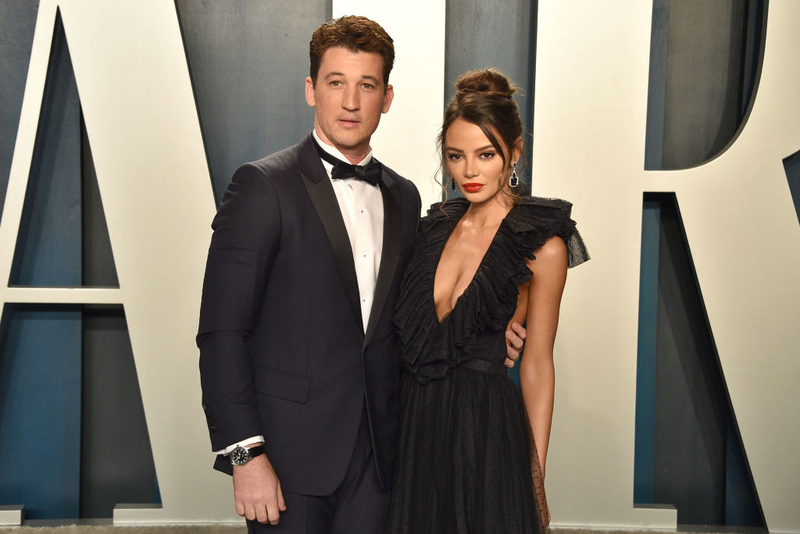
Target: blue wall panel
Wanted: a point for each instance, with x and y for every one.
(17, 21)
(40, 378)
(249, 60)
(646, 354)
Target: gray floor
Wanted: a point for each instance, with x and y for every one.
(237, 529)
(110, 529)
(104, 526)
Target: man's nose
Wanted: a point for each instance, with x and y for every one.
(350, 101)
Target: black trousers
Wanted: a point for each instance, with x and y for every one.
(358, 506)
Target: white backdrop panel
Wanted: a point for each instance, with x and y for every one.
(742, 228)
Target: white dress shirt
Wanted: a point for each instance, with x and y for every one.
(361, 205)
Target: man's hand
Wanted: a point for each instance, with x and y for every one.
(515, 340)
(257, 491)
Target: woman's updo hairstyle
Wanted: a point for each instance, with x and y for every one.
(485, 99)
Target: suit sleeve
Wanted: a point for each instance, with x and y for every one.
(417, 203)
(244, 244)
(418, 206)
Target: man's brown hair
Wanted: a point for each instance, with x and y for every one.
(355, 33)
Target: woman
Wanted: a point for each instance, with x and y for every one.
(467, 461)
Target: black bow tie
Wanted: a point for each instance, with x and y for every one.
(370, 173)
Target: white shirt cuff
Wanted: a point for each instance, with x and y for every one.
(248, 441)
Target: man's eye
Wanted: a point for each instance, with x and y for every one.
(335, 83)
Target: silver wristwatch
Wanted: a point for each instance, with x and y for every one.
(241, 455)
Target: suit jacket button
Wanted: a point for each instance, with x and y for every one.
(212, 428)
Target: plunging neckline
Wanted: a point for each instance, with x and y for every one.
(474, 275)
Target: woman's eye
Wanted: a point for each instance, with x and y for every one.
(487, 155)
(453, 157)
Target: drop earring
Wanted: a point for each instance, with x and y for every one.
(453, 184)
(513, 180)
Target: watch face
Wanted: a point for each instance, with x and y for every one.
(240, 456)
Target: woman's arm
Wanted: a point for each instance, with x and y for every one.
(537, 372)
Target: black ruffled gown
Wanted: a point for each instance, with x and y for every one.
(466, 458)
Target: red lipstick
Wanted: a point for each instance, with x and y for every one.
(473, 187)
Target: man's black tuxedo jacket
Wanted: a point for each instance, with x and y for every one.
(283, 352)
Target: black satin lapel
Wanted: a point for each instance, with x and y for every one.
(390, 255)
(324, 200)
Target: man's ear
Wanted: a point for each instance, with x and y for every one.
(387, 98)
(310, 92)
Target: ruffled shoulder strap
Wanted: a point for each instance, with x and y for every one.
(539, 219)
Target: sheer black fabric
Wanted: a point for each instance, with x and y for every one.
(467, 462)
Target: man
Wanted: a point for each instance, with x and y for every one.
(298, 355)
